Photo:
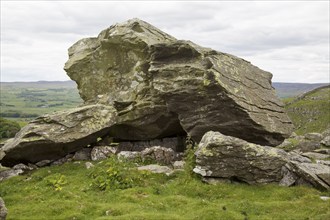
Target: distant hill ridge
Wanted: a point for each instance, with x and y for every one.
(283, 90)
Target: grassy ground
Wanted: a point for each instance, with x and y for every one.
(70, 192)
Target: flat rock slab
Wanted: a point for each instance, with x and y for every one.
(53, 136)
(155, 168)
(318, 156)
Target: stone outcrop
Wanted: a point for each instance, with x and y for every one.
(162, 85)
(230, 158)
(139, 83)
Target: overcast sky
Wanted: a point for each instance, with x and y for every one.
(290, 39)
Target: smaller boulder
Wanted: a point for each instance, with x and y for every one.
(43, 163)
(317, 175)
(23, 167)
(159, 154)
(6, 174)
(88, 165)
(155, 168)
(322, 151)
(317, 156)
(313, 137)
(83, 154)
(63, 160)
(3, 210)
(307, 146)
(102, 152)
(326, 141)
(231, 158)
(225, 157)
(129, 155)
(14, 171)
(179, 164)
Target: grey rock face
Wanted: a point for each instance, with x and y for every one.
(3, 210)
(225, 157)
(162, 86)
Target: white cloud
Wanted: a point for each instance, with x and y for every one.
(289, 39)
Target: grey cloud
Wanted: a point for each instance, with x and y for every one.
(286, 38)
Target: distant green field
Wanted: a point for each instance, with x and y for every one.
(24, 101)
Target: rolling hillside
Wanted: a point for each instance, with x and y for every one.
(310, 112)
(27, 100)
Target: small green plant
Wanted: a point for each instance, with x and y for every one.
(190, 158)
(57, 181)
(116, 174)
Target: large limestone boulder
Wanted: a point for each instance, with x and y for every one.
(160, 84)
(230, 158)
(140, 84)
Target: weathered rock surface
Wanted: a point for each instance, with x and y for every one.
(225, 157)
(179, 164)
(3, 210)
(129, 155)
(102, 152)
(140, 83)
(53, 136)
(326, 141)
(159, 154)
(318, 156)
(161, 86)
